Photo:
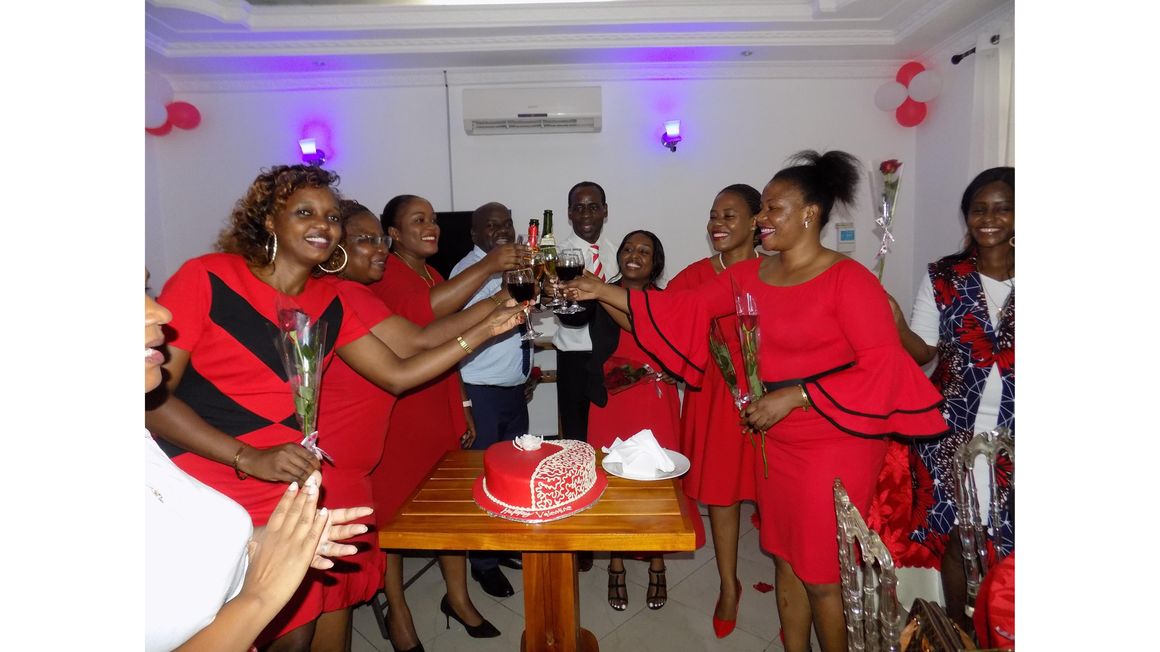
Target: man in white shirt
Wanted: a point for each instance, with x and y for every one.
(494, 375)
(587, 213)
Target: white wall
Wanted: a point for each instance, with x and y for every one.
(393, 139)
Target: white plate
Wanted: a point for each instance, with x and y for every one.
(680, 462)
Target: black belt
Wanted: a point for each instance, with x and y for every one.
(773, 386)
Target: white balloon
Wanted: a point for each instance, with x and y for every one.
(890, 96)
(157, 89)
(155, 114)
(925, 86)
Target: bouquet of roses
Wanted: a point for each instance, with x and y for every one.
(885, 189)
(301, 343)
(620, 373)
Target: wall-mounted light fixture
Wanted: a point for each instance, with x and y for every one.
(311, 155)
(672, 135)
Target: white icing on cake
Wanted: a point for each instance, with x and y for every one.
(557, 481)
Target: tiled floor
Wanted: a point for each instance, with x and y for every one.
(682, 624)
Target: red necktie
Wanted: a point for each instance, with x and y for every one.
(596, 268)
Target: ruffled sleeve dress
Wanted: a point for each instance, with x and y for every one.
(711, 434)
(427, 421)
(835, 335)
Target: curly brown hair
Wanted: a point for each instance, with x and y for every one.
(246, 233)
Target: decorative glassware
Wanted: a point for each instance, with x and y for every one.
(570, 266)
(521, 284)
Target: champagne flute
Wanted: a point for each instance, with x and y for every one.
(546, 271)
(521, 284)
(570, 266)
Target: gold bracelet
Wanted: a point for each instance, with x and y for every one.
(242, 475)
(805, 397)
(463, 344)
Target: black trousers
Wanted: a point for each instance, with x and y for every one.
(571, 397)
(500, 414)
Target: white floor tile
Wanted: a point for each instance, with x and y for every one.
(675, 627)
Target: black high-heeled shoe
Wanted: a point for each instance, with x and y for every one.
(482, 630)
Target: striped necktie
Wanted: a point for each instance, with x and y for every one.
(596, 267)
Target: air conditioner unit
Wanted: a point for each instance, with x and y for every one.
(489, 111)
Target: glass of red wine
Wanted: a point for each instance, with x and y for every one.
(570, 265)
(521, 284)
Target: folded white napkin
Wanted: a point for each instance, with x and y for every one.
(640, 455)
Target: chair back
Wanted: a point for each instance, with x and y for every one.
(869, 581)
(974, 533)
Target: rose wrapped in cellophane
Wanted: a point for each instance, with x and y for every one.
(301, 342)
(749, 333)
(621, 373)
(884, 186)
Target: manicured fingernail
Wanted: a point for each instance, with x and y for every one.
(322, 512)
(310, 489)
(312, 481)
(362, 529)
(293, 487)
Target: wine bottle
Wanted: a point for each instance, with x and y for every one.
(548, 241)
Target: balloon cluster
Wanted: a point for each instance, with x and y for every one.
(162, 114)
(908, 94)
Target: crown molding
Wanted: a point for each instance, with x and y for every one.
(362, 16)
(561, 74)
(507, 43)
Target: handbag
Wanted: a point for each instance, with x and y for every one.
(929, 629)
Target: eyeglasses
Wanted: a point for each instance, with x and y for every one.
(585, 208)
(372, 240)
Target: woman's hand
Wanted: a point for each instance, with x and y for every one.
(504, 318)
(281, 552)
(772, 407)
(281, 463)
(340, 528)
(509, 256)
(587, 286)
(468, 437)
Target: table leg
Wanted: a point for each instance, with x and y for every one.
(552, 605)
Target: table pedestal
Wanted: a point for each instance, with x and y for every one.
(552, 605)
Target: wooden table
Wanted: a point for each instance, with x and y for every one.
(630, 516)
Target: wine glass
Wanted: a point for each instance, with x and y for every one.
(545, 266)
(570, 266)
(521, 284)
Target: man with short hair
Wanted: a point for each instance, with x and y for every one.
(587, 213)
(494, 376)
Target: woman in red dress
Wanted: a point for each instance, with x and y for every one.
(355, 413)
(228, 415)
(711, 434)
(652, 403)
(434, 418)
(837, 380)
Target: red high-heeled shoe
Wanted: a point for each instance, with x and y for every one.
(722, 627)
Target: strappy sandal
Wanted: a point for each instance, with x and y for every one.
(617, 590)
(658, 592)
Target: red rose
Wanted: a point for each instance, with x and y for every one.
(537, 373)
(889, 166)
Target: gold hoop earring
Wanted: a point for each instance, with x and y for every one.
(1012, 242)
(341, 267)
(271, 248)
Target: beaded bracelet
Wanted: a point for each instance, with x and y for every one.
(242, 475)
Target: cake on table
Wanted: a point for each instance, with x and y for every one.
(535, 481)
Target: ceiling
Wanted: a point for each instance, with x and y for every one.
(225, 37)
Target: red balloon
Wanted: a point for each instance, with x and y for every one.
(910, 113)
(160, 131)
(183, 115)
(908, 71)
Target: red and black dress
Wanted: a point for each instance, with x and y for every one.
(711, 435)
(427, 421)
(225, 317)
(354, 414)
(835, 335)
